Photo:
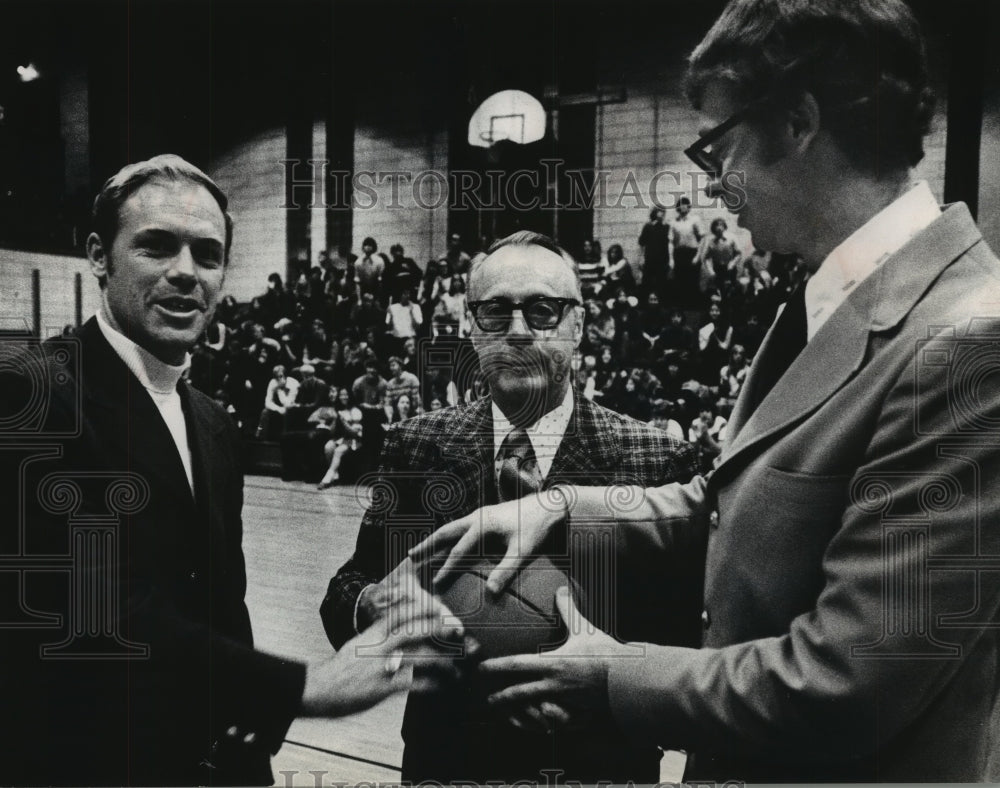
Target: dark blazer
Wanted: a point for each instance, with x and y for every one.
(440, 466)
(156, 659)
(852, 596)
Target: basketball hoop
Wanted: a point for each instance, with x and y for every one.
(511, 115)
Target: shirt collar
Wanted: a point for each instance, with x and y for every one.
(545, 434)
(154, 374)
(865, 250)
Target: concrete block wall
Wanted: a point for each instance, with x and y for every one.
(253, 176)
(418, 216)
(57, 286)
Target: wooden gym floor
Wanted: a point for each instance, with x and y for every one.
(295, 538)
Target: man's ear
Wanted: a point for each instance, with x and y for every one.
(100, 265)
(578, 328)
(802, 123)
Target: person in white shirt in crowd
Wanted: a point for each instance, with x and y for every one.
(403, 318)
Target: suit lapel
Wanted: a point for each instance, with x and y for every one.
(467, 452)
(129, 420)
(210, 464)
(838, 349)
(590, 443)
(203, 430)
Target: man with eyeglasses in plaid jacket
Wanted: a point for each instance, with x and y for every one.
(525, 300)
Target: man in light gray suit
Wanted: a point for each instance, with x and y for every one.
(853, 518)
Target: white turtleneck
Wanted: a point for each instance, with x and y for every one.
(160, 380)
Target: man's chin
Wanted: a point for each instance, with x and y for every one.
(171, 343)
(522, 397)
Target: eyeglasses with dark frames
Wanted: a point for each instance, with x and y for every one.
(701, 151)
(541, 313)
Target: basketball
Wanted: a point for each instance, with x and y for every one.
(522, 619)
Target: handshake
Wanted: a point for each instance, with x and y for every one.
(525, 642)
(401, 624)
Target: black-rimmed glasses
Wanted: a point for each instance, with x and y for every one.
(542, 313)
(701, 152)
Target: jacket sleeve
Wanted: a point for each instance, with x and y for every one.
(836, 685)
(368, 563)
(256, 692)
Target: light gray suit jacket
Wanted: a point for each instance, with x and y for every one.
(853, 562)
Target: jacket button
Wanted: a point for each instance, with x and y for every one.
(706, 619)
(193, 575)
(713, 519)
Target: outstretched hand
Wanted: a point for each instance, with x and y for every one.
(521, 526)
(563, 688)
(413, 627)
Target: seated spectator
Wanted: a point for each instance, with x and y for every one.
(280, 396)
(367, 314)
(370, 344)
(663, 420)
(368, 393)
(599, 326)
(409, 355)
(347, 441)
(706, 434)
(586, 378)
(451, 316)
(456, 260)
(313, 392)
(718, 257)
(401, 383)
(227, 314)
(316, 344)
(677, 336)
(434, 284)
(403, 319)
(401, 274)
(750, 334)
(626, 317)
(631, 399)
(606, 370)
(732, 376)
(591, 269)
(617, 270)
(672, 375)
(652, 322)
(276, 302)
(251, 370)
(714, 340)
(302, 450)
(403, 409)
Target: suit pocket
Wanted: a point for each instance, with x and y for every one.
(765, 560)
(818, 494)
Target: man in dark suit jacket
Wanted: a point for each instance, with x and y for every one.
(128, 656)
(445, 464)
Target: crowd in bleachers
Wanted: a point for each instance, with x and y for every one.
(323, 362)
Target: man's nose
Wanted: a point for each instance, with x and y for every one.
(182, 265)
(519, 330)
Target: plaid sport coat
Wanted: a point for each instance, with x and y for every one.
(440, 466)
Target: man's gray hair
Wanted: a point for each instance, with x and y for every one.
(530, 238)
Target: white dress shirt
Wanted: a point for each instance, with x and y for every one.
(160, 380)
(545, 434)
(865, 250)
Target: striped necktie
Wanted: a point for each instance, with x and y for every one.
(517, 467)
